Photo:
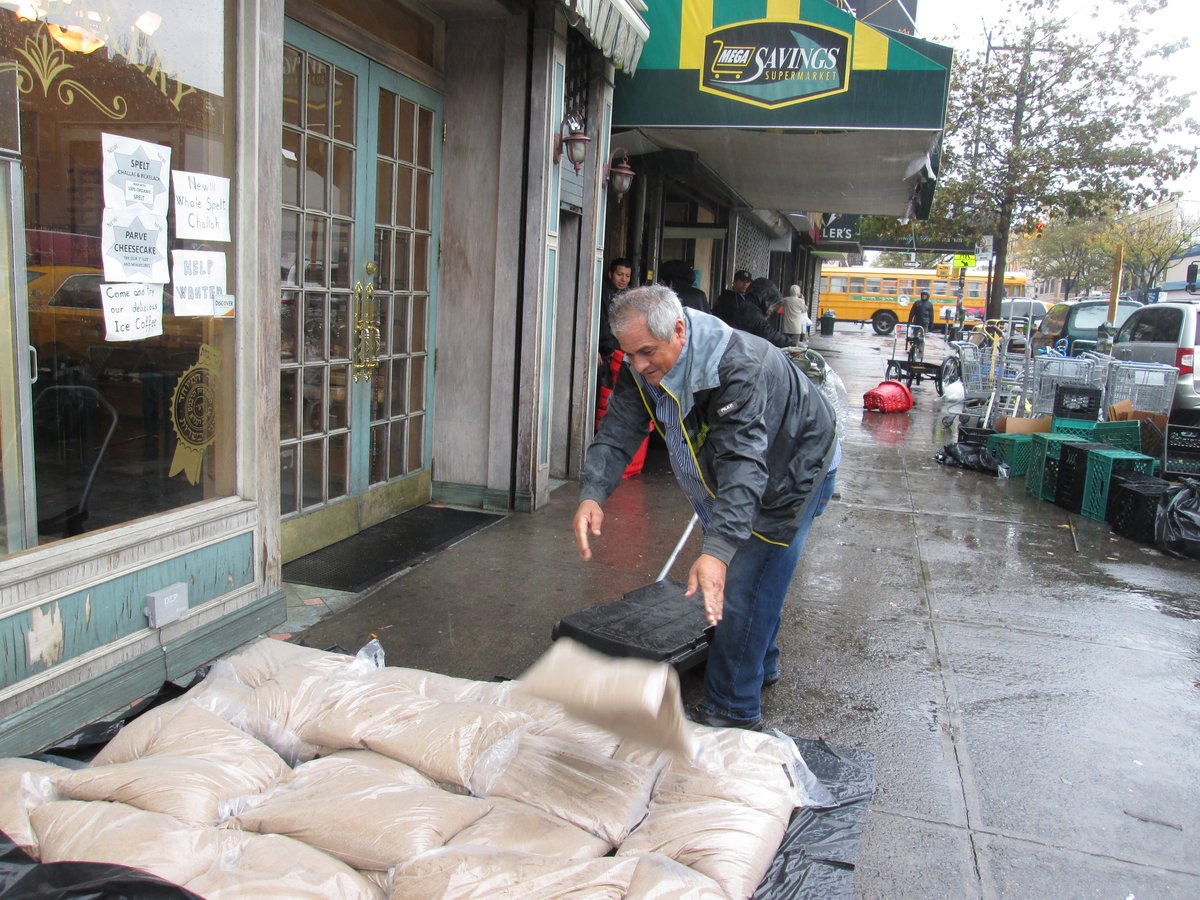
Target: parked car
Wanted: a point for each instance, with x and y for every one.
(1025, 308)
(1166, 333)
(1078, 324)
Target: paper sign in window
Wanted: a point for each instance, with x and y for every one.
(135, 173)
(134, 246)
(132, 312)
(201, 206)
(199, 283)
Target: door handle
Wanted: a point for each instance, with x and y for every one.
(367, 336)
(33, 365)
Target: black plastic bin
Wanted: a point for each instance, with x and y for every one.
(827, 325)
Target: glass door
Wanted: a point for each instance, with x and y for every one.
(359, 222)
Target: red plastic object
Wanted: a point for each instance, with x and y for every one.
(639, 457)
(889, 397)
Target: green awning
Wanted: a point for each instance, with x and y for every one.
(796, 104)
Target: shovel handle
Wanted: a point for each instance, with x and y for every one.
(687, 532)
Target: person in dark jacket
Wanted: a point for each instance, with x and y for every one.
(726, 306)
(761, 294)
(753, 445)
(922, 313)
(680, 277)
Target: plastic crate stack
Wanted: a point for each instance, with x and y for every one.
(1181, 450)
(1102, 466)
(1073, 472)
(1013, 450)
(1133, 505)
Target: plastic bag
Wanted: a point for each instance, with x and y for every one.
(969, 456)
(1177, 522)
(371, 652)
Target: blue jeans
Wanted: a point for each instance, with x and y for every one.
(743, 648)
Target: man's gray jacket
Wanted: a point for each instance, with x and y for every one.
(761, 433)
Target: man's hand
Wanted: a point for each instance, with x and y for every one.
(707, 575)
(588, 518)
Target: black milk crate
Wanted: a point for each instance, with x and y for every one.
(1152, 439)
(1076, 401)
(977, 437)
(1132, 479)
(1072, 474)
(1134, 507)
(1181, 450)
(655, 622)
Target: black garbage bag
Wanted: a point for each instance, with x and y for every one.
(969, 456)
(23, 878)
(1177, 522)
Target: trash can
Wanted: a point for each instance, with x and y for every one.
(827, 318)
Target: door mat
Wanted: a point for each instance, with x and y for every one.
(387, 548)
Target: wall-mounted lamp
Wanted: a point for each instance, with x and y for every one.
(619, 175)
(571, 140)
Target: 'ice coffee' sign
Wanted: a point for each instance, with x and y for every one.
(132, 312)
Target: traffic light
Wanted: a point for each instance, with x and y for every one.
(1191, 278)
(1039, 228)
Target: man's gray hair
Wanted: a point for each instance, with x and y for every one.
(658, 303)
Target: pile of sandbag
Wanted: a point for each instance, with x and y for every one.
(291, 772)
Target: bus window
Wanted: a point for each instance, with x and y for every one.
(889, 286)
(922, 284)
(824, 283)
(872, 285)
(975, 289)
(939, 289)
(856, 284)
(837, 284)
(906, 286)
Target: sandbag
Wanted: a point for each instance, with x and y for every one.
(357, 814)
(25, 784)
(730, 843)
(272, 866)
(606, 797)
(221, 694)
(478, 872)
(446, 740)
(194, 763)
(630, 697)
(122, 834)
(658, 877)
(510, 825)
(259, 660)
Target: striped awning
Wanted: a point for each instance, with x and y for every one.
(795, 104)
(616, 28)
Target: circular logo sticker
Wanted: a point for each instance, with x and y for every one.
(194, 413)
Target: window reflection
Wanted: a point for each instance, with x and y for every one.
(121, 428)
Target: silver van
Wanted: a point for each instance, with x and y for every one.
(1166, 333)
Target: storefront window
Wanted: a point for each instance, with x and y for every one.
(127, 164)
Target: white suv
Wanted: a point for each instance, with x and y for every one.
(1166, 333)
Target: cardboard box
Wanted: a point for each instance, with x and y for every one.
(1018, 425)
(1124, 412)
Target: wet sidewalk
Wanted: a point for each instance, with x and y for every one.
(1028, 681)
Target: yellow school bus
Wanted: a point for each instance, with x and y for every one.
(883, 296)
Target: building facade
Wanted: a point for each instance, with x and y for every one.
(273, 273)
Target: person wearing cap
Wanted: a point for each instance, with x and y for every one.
(726, 307)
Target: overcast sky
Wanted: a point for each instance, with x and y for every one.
(963, 23)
